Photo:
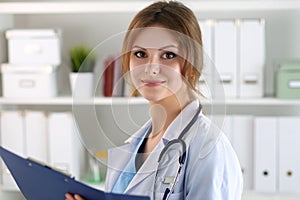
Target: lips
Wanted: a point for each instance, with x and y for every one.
(152, 83)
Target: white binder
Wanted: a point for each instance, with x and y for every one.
(242, 142)
(36, 135)
(206, 82)
(289, 159)
(206, 27)
(12, 138)
(228, 127)
(265, 154)
(252, 58)
(65, 149)
(225, 55)
(225, 122)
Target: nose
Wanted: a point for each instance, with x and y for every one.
(153, 66)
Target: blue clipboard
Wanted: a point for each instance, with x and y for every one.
(37, 181)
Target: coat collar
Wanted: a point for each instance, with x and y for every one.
(181, 121)
(175, 128)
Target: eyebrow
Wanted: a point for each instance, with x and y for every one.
(137, 47)
(164, 47)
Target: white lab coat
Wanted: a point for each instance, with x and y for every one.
(211, 170)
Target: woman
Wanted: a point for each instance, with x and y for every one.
(163, 56)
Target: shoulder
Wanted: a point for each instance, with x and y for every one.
(205, 136)
(209, 140)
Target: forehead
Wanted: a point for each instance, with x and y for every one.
(153, 37)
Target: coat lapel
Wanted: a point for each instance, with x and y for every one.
(147, 169)
(116, 164)
(118, 157)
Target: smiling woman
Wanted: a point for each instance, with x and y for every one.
(155, 64)
(179, 153)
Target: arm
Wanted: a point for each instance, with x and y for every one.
(217, 176)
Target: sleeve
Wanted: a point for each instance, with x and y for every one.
(217, 176)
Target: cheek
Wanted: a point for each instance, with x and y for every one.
(175, 79)
(175, 64)
(135, 75)
(173, 70)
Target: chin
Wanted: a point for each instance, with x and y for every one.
(153, 98)
(155, 95)
(156, 98)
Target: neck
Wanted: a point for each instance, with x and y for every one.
(165, 111)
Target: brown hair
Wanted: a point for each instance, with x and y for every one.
(177, 17)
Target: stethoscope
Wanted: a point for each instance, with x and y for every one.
(182, 157)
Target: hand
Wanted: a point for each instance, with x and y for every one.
(73, 197)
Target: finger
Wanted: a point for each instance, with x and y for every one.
(69, 196)
(77, 197)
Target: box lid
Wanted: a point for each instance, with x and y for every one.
(27, 69)
(32, 33)
(292, 65)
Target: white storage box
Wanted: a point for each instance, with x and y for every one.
(34, 46)
(29, 81)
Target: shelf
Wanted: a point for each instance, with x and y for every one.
(134, 6)
(255, 107)
(70, 7)
(252, 195)
(263, 102)
(68, 100)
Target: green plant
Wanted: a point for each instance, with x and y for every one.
(82, 59)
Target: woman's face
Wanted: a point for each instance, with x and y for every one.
(156, 63)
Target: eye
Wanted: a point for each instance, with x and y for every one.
(168, 55)
(140, 54)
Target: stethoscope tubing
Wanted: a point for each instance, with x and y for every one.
(182, 134)
(182, 157)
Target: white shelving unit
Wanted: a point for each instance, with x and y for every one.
(261, 106)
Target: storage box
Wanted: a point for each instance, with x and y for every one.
(288, 80)
(29, 80)
(34, 46)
